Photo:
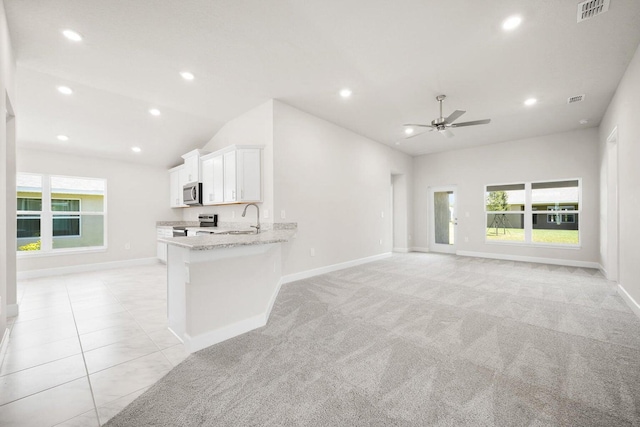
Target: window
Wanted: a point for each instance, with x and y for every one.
(538, 212)
(60, 214)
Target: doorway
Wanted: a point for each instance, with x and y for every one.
(443, 219)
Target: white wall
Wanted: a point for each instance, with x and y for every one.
(255, 127)
(335, 184)
(624, 112)
(137, 197)
(7, 177)
(558, 156)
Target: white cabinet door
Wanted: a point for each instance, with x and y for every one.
(249, 174)
(192, 169)
(175, 187)
(206, 168)
(218, 179)
(230, 181)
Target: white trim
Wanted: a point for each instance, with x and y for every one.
(330, 268)
(193, 344)
(12, 310)
(539, 260)
(419, 249)
(632, 303)
(401, 250)
(31, 274)
(4, 344)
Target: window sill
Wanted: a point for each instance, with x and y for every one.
(535, 245)
(58, 252)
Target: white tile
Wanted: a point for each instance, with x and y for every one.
(122, 351)
(97, 311)
(49, 407)
(108, 411)
(89, 418)
(164, 338)
(104, 321)
(120, 380)
(38, 354)
(175, 354)
(107, 336)
(33, 380)
(20, 340)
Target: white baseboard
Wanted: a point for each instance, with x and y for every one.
(193, 344)
(12, 310)
(330, 268)
(538, 260)
(602, 270)
(401, 250)
(632, 303)
(32, 274)
(4, 344)
(419, 249)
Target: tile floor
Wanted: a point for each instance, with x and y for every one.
(84, 346)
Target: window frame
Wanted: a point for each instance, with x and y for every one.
(529, 212)
(47, 214)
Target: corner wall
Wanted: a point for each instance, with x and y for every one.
(137, 197)
(337, 186)
(624, 112)
(558, 156)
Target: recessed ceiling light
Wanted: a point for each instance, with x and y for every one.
(154, 112)
(72, 35)
(136, 149)
(530, 101)
(187, 75)
(511, 23)
(63, 138)
(345, 93)
(408, 131)
(584, 121)
(65, 90)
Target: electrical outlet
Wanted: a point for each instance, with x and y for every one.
(127, 246)
(266, 213)
(283, 215)
(380, 241)
(312, 252)
(382, 214)
(466, 239)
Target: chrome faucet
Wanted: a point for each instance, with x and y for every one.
(257, 226)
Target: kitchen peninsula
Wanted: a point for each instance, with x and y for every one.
(222, 285)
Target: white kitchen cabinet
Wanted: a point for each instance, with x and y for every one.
(192, 166)
(212, 171)
(230, 181)
(176, 177)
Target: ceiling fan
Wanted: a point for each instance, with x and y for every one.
(442, 124)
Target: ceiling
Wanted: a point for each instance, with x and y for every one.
(394, 56)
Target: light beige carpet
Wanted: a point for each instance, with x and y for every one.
(415, 340)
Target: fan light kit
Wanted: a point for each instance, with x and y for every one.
(442, 124)
(408, 131)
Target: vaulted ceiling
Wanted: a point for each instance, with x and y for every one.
(394, 56)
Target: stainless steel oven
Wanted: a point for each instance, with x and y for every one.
(192, 193)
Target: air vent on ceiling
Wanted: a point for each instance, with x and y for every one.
(591, 8)
(577, 98)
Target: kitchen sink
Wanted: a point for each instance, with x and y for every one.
(239, 232)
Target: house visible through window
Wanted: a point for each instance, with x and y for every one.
(58, 214)
(538, 212)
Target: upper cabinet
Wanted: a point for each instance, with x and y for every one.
(176, 176)
(192, 171)
(232, 175)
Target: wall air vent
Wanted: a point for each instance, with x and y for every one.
(577, 98)
(591, 8)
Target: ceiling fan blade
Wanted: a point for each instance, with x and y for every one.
(419, 126)
(476, 122)
(454, 116)
(446, 133)
(417, 134)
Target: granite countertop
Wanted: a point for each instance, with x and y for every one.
(217, 241)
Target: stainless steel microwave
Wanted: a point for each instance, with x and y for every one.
(192, 193)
